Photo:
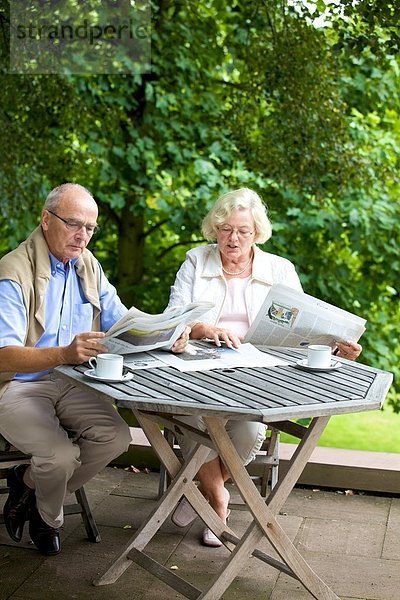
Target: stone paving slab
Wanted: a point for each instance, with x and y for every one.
(334, 505)
(353, 577)
(391, 547)
(352, 542)
(342, 537)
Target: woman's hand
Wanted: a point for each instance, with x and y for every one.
(182, 342)
(349, 350)
(215, 334)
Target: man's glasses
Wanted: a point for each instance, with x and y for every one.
(76, 225)
(227, 230)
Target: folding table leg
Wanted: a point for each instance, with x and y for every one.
(265, 523)
(183, 475)
(182, 484)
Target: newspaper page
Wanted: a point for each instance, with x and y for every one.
(141, 360)
(204, 356)
(294, 319)
(137, 331)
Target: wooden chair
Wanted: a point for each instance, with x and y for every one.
(266, 463)
(10, 457)
(268, 459)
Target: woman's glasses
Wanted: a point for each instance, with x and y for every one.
(227, 230)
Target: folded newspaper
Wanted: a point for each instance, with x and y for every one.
(138, 331)
(294, 319)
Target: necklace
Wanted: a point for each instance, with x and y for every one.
(239, 272)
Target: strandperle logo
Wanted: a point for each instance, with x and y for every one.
(85, 31)
(75, 37)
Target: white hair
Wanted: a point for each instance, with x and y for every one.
(240, 199)
(55, 196)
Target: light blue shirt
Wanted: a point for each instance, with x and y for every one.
(68, 312)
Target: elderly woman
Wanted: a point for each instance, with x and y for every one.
(236, 276)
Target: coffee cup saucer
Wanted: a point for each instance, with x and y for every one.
(91, 373)
(303, 364)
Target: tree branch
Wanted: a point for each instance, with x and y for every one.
(188, 243)
(154, 228)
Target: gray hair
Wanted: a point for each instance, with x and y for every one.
(54, 198)
(240, 199)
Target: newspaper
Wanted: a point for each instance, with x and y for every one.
(138, 331)
(204, 356)
(294, 319)
(142, 360)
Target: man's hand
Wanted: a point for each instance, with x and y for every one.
(17, 359)
(83, 347)
(182, 342)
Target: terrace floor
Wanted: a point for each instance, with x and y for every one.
(351, 540)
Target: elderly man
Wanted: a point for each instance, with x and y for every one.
(55, 303)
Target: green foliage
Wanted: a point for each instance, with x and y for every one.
(299, 101)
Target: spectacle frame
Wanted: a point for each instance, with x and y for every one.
(227, 230)
(76, 225)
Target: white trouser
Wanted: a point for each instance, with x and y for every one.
(70, 434)
(246, 436)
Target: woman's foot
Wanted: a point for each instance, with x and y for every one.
(210, 539)
(184, 514)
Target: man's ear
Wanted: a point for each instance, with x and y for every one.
(44, 220)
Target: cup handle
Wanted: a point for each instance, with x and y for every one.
(93, 364)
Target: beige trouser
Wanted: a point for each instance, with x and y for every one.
(246, 436)
(70, 434)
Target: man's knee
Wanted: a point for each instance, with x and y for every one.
(117, 436)
(123, 437)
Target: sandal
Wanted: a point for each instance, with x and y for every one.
(184, 514)
(209, 538)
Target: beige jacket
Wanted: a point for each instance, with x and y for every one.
(29, 266)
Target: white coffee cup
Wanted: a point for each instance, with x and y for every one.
(319, 356)
(107, 366)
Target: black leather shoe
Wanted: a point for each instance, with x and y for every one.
(20, 500)
(45, 538)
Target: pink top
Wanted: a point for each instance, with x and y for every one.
(234, 316)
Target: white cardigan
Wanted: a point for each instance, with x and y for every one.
(201, 278)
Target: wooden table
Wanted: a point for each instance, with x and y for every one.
(276, 395)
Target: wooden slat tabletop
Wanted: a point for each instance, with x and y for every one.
(259, 393)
